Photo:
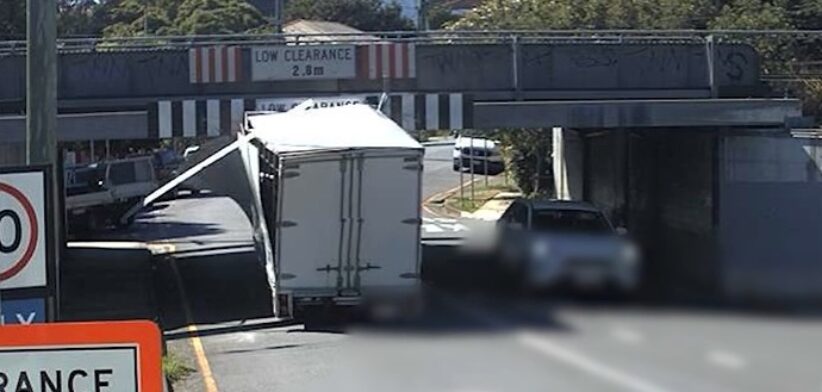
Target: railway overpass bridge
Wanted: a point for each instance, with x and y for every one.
(189, 87)
(676, 137)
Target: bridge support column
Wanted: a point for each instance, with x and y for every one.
(568, 164)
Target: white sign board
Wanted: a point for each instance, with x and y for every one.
(286, 104)
(22, 230)
(303, 62)
(110, 369)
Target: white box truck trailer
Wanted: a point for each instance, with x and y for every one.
(337, 204)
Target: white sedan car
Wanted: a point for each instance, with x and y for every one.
(547, 243)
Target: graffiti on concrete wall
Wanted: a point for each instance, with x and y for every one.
(658, 59)
(99, 73)
(460, 59)
(467, 67)
(734, 64)
(595, 58)
(635, 66)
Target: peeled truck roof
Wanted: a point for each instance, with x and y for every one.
(328, 129)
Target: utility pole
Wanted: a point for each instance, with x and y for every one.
(41, 118)
(422, 15)
(279, 17)
(41, 82)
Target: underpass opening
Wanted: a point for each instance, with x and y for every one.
(660, 184)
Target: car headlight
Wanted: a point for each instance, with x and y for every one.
(540, 249)
(629, 255)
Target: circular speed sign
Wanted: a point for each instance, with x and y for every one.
(18, 231)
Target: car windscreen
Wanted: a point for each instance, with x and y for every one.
(570, 221)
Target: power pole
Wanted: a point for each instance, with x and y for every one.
(422, 15)
(41, 118)
(41, 82)
(279, 17)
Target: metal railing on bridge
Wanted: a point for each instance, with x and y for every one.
(436, 36)
(791, 60)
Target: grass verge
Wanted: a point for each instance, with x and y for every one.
(463, 201)
(175, 368)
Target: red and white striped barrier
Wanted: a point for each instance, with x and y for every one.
(387, 61)
(215, 64)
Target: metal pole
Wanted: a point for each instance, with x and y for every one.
(487, 155)
(471, 149)
(462, 179)
(710, 55)
(515, 67)
(41, 113)
(279, 9)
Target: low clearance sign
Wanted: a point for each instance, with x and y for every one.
(81, 357)
(303, 62)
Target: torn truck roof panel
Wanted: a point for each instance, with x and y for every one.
(339, 128)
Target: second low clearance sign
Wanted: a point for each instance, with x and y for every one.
(93, 357)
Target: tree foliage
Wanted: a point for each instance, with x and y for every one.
(12, 19)
(751, 15)
(587, 14)
(187, 17)
(366, 15)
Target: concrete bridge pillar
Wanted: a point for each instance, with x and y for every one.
(568, 164)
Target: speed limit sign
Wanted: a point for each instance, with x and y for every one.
(22, 230)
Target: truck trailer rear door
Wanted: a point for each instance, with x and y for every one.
(387, 251)
(311, 223)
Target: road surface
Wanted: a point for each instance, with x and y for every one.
(438, 174)
(216, 305)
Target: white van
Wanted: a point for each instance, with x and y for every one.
(483, 154)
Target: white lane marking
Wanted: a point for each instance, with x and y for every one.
(726, 359)
(595, 368)
(547, 347)
(432, 228)
(439, 220)
(439, 225)
(627, 335)
(455, 227)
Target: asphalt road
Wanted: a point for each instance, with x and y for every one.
(470, 340)
(216, 307)
(438, 174)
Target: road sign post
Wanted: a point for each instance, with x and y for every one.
(105, 356)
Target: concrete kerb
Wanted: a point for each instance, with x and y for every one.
(435, 143)
(493, 208)
(438, 200)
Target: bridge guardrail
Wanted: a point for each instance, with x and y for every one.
(791, 61)
(439, 36)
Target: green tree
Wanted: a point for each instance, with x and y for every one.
(77, 18)
(528, 159)
(188, 17)
(752, 15)
(217, 17)
(777, 52)
(587, 14)
(366, 15)
(438, 15)
(12, 19)
(128, 18)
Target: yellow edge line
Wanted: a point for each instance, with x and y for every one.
(197, 344)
